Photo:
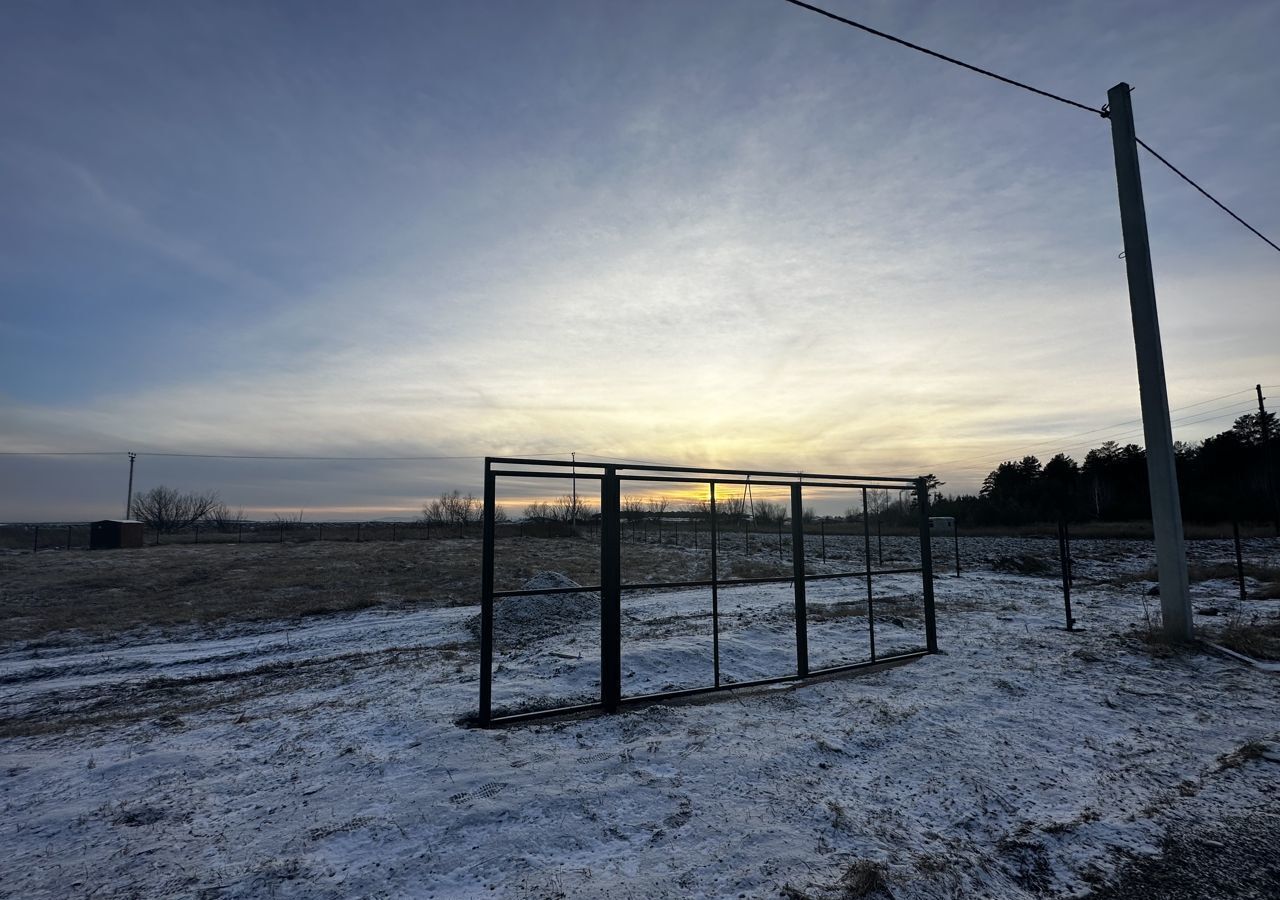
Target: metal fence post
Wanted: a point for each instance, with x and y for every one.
(955, 534)
(35, 542)
(1235, 535)
(866, 556)
(610, 593)
(715, 590)
(486, 597)
(1064, 560)
(68, 537)
(797, 572)
(823, 526)
(926, 567)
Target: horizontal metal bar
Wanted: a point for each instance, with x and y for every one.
(863, 574)
(878, 661)
(662, 585)
(637, 467)
(512, 718)
(730, 582)
(518, 473)
(754, 482)
(753, 472)
(535, 592)
(639, 699)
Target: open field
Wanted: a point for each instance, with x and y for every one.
(222, 721)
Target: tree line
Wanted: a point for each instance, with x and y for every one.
(1231, 475)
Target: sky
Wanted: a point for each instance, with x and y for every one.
(708, 232)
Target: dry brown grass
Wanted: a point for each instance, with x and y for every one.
(106, 592)
(1269, 575)
(1258, 638)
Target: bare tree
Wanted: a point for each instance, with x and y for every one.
(731, 507)
(658, 506)
(453, 508)
(167, 509)
(223, 519)
(698, 509)
(538, 511)
(632, 508)
(570, 509)
(769, 513)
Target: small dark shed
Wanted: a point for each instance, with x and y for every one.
(113, 534)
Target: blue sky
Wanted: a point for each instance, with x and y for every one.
(703, 232)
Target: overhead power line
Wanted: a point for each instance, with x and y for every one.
(1199, 418)
(254, 456)
(1099, 111)
(1058, 441)
(1218, 203)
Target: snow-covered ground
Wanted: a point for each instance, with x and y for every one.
(325, 758)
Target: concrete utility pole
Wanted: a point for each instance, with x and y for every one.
(1166, 511)
(128, 500)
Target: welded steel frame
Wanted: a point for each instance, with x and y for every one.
(611, 476)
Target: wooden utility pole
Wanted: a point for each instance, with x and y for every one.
(1166, 511)
(1266, 461)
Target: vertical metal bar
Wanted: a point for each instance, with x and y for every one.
(879, 542)
(926, 566)
(866, 556)
(746, 534)
(715, 590)
(780, 518)
(486, 596)
(797, 574)
(68, 537)
(1063, 561)
(695, 534)
(823, 525)
(35, 543)
(358, 525)
(955, 534)
(239, 532)
(1235, 535)
(610, 593)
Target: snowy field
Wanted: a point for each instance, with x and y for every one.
(322, 756)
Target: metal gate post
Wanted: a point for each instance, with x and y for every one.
(610, 593)
(866, 553)
(715, 590)
(486, 598)
(926, 567)
(797, 572)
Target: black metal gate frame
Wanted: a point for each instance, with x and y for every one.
(611, 586)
